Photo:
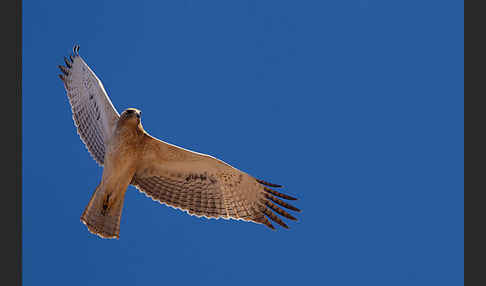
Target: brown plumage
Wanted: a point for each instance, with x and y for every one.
(193, 182)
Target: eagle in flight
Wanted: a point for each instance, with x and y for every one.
(193, 182)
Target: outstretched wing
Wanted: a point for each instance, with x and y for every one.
(205, 186)
(93, 113)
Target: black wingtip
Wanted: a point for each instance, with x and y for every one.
(63, 69)
(269, 184)
(76, 50)
(282, 203)
(67, 62)
(278, 194)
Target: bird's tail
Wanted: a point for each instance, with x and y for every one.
(102, 215)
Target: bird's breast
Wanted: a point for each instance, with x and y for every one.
(123, 149)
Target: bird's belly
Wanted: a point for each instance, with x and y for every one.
(120, 165)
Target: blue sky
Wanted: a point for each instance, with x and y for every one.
(356, 107)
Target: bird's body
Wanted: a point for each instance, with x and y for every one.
(196, 183)
(123, 152)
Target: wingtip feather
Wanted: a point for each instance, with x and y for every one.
(269, 184)
(278, 194)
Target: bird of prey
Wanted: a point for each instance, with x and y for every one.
(193, 182)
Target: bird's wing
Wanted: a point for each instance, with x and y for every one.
(205, 186)
(93, 113)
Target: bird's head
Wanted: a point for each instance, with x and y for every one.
(131, 115)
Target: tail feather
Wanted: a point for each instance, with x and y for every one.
(102, 215)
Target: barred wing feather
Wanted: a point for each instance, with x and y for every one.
(202, 185)
(93, 113)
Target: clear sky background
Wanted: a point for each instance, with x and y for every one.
(356, 107)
